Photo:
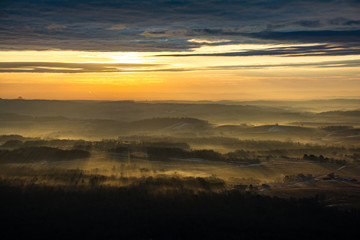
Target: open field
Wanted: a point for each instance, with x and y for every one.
(275, 177)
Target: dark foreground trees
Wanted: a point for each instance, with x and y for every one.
(136, 212)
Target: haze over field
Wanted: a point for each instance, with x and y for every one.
(305, 121)
(179, 119)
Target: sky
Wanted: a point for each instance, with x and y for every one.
(180, 50)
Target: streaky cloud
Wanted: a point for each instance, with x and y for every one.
(58, 67)
(291, 51)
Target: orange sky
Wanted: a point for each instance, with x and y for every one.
(180, 50)
(148, 76)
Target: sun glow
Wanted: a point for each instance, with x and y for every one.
(168, 75)
(126, 57)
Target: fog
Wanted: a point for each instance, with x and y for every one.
(272, 146)
(263, 120)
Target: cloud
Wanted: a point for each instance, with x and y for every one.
(309, 23)
(324, 64)
(325, 36)
(293, 51)
(55, 27)
(60, 67)
(117, 27)
(344, 21)
(164, 25)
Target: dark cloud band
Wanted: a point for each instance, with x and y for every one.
(58, 67)
(161, 25)
(292, 51)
